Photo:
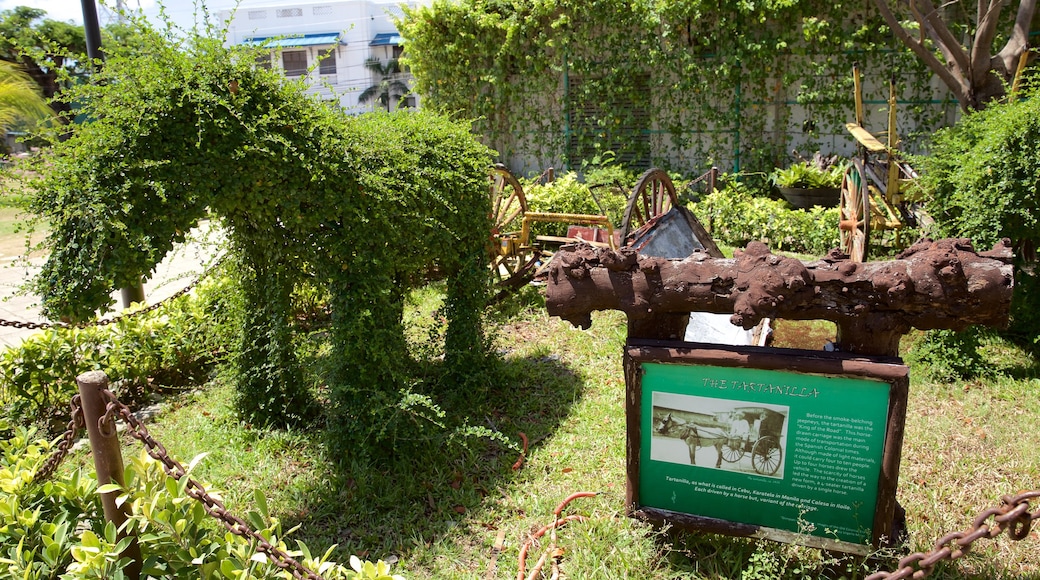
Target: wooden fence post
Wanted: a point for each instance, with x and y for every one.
(108, 460)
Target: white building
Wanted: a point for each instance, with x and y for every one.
(329, 43)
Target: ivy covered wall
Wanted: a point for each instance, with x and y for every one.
(683, 84)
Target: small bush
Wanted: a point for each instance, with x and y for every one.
(174, 346)
(57, 528)
(947, 356)
(735, 215)
(981, 180)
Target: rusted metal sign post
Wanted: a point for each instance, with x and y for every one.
(759, 441)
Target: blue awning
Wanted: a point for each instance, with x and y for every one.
(294, 41)
(386, 39)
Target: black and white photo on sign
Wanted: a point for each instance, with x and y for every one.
(733, 435)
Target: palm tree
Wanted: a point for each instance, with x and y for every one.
(20, 99)
(389, 85)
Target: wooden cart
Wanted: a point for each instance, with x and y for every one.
(872, 196)
(517, 256)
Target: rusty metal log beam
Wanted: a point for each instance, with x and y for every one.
(940, 284)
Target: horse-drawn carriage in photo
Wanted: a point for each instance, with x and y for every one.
(762, 443)
(754, 431)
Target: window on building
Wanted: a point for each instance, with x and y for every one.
(289, 12)
(328, 62)
(407, 103)
(322, 10)
(398, 51)
(294, 62)
(257, 14)
(264, 61)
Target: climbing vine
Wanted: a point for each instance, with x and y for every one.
(679, 84)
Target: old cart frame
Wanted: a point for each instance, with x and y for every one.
(517, 256)
(872, 189)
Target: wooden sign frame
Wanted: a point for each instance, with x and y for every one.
(820, 427)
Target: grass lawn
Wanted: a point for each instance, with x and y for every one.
(437, 512)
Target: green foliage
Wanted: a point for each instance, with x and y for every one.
(566, 194)
(174, 346)
(39, 522)
(809, 175)
(20, 100)
(734, 216)
(48, 50)
(982, 179)
(948, 356)
(38, 377)
(363, 207)
(983, 174)
(676, 83)
(57, 529)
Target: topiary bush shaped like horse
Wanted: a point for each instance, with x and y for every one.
(366, 205)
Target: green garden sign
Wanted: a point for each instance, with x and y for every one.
(790, 445)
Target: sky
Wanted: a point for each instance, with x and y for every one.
(181, 11)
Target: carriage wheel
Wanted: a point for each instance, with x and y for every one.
(733, 449)
(766, 455)
(512, 261)
(854, 224)
(653, 196)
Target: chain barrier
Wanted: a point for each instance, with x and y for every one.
(115, 318)
(1013, 515)
(194, 489)
(68, 439)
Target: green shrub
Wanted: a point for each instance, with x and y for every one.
(56, 528)
(946, 355)
(814, 174)
(982, 179)
(365, 207)
(174, 346)
(734, 215)
(38, 377)
(39, 522)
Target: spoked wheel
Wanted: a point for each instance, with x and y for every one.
(512, 261)
(766, 455)
(653, 196)
(733, 449)
(854, 224)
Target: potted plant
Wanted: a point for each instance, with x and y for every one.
(810, 182)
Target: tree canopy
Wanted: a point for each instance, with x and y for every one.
(20, 98)
(974, 52)
(46, 49)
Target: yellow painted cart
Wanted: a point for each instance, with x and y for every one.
(517, 256)
(872, 197)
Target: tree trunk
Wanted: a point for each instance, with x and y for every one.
(931, 285)
(971, 71)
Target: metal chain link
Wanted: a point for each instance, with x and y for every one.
(213, 506)
(1013, 515)
(68, 439)
(115, 318)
